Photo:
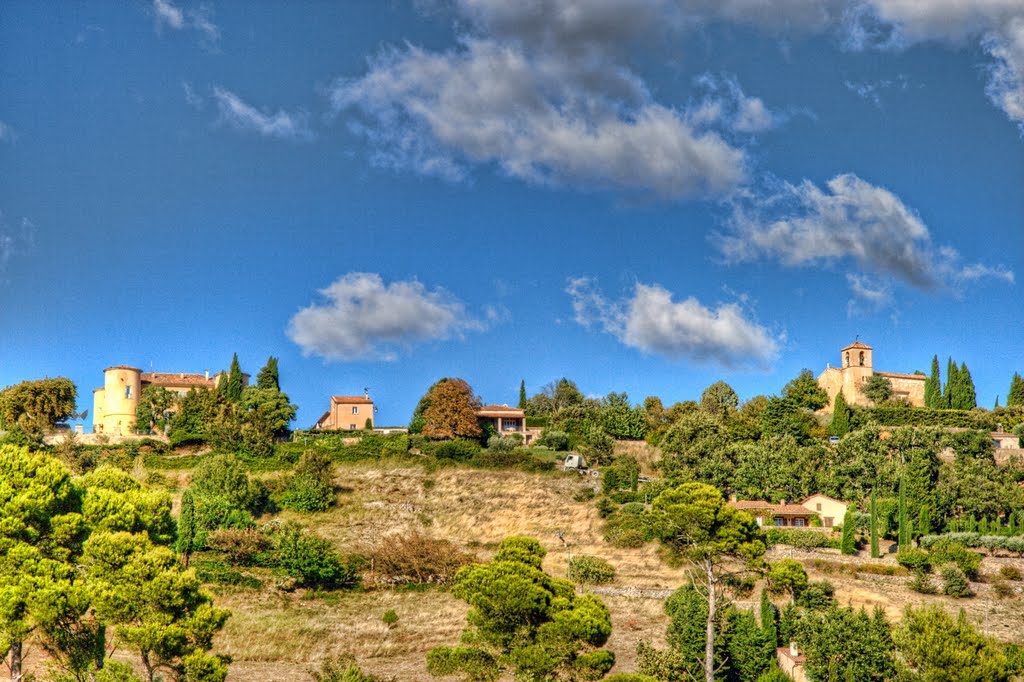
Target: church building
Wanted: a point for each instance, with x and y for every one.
(855, 367)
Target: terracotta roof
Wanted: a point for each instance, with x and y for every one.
(322, 419)
(176, 379)
(804, 501)
(858, 344)
(897, 375)
(779, 509)
(500, 410)
(351, 399)
(134, 369)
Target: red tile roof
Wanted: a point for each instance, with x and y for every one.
(499, 411)
(777, 509)
(896, 375)
(351, 399)
(858, 344)
(176, 379)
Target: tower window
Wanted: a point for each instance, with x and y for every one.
(847, 358)
(862, 358)
(127, 391)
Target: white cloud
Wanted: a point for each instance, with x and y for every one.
(872, 91)
(7, 133)
(363, 318)
(996, 25)
(242, 116)
(171, 16)
(652, 322)
(542, 90)
(728, 104)
(193, 98)
(852, 219)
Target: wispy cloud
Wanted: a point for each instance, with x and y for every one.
(193, 98)
(14, 239)
(362, 318)
(238, 114)
(728, 104)
(652, 322)
(872, 91)
(170, 16)
(850, 219)
(7, 133)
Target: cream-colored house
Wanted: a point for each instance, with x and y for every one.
(856, 365)
(505, 420)
(347, 413)
(830, 510)
(114, 405)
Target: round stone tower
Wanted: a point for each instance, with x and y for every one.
(121, 388)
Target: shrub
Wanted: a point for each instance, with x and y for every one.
(416, 558)
(313, 561)
(457, 449)
(954, 582)
(590, 570)
(554, 439)
(311, 487)
(241, 545)
(801, 539)
(914, 559)
(945, 551)
(505, 443)
(774, 675)
(390, 617)
(224, 477)
(816, 595)
(341, 669)
(922, 583)
(1010, 573)
(1002, 589)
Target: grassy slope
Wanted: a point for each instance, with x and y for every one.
(274, 635)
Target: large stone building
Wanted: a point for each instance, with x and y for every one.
(856, 366)
(114, 405)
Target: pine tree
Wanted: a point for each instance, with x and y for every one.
(768, 619)
(233, 390)
(841, 414)
(848, 544)
(268, 376)
(875, 553)
(1016, 395)
(904, 529)
(933, 386)
(522, 395)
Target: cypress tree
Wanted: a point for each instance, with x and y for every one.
(1016, 395)
(933, 386)
(996, 406)
(968, 396)
(771, 632)
(841, 413)
(875, 552)
(924, 521)
(951, 381)
(186, 527)
(904, 529)
(522, 394)
(268, 376)
(848, 544)
(233, 391)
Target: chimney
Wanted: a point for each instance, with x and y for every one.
(793, 651)
(206, 373)
(782, 501)
(732, 497)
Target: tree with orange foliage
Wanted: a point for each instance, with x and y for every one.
(452, 411)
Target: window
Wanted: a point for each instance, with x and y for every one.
(355, 409)
(127, 391)
(818, 506)
(351, 427)
(847, 358)
(780, 522)
(827, 521)
(799, 523)
(862, 358)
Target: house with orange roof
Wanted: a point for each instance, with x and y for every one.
(347, 413)
(505, 420)
(829, 511)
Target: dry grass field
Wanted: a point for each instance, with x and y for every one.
(275, 635)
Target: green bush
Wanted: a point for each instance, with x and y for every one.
(954, 582)
(311, 487)
(390, 617)
(313, 561)
(922, 583)
(1010, 573)
(946, 551)
(914, 559)
(590, 570)
(1002, 589)
(341, 669)
(458, 449)
(801, 539)
(521, 459)
(554, 439)
(816, 595)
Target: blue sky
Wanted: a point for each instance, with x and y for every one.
(642, 195)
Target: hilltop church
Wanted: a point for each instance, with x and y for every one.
(855, 368)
